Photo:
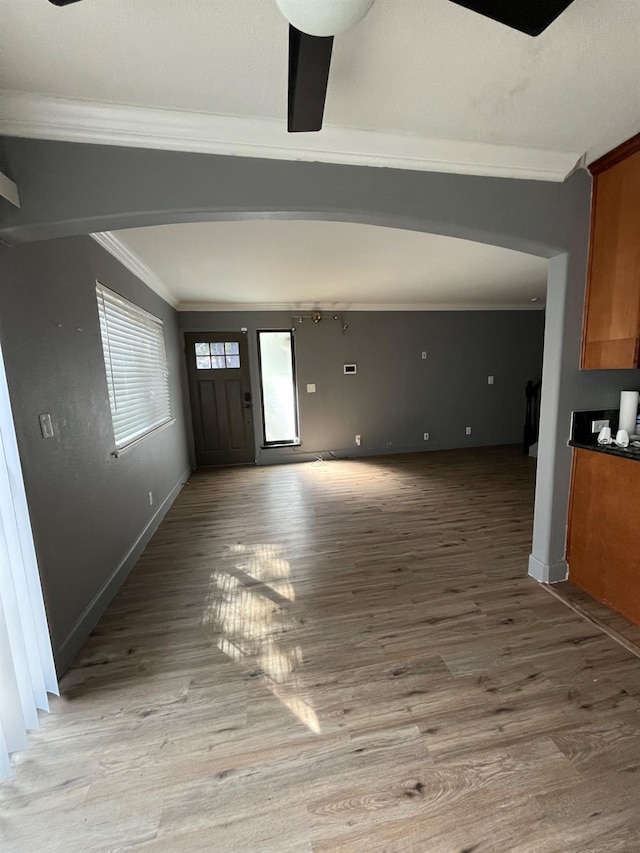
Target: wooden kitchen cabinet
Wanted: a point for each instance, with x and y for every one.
(603, 547)
(611, 336)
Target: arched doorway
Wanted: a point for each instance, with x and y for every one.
(70, 189)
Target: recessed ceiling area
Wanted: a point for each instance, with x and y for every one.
(413, 69)
(283, 263)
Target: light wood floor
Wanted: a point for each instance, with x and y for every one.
(345, 656)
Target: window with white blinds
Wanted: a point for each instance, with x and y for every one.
(136, 364)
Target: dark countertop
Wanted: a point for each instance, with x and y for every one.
(583, 438)
(609, 449)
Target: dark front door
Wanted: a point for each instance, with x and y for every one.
(220, 390)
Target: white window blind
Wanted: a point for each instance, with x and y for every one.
(136, 364)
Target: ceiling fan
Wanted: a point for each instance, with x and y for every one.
(314, 23)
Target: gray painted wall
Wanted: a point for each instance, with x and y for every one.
(70, 189)
(90, 512)
(396, 396)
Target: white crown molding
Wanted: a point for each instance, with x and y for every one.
(41, 117)
(333, 308)
(133, 263)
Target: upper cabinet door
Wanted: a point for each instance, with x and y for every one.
(612, 310)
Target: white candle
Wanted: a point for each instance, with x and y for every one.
(628, 411)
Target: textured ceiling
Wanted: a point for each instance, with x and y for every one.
(332, 263)
(426, 67)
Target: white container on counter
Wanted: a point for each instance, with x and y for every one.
(628, 411)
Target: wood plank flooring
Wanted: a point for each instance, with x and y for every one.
(615, 624)
(339, 656)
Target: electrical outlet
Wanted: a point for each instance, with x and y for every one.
(150, 498)
(424, 354)
(467, 430)
(596, 426)
(426, 436)
(358, 441)
(311, 388)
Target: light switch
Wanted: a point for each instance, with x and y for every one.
(46, 427)
(489, 380)
(311, 389)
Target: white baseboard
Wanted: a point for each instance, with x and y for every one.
(90, 616)
(284, 455)
(548, 572)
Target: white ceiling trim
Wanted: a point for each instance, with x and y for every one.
(332, 308)
(133, 263)
(43, 117)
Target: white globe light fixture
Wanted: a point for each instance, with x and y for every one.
(324, 17)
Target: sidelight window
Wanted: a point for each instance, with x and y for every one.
(278, 388)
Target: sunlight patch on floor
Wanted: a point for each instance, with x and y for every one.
(247, 613)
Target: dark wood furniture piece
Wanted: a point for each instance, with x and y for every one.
(611, 336)
(603, 548)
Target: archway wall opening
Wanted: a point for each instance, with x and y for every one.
(69, 189)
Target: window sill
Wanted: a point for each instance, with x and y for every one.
(127, 447)
(280, 444)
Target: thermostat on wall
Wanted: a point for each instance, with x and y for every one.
(351, 368)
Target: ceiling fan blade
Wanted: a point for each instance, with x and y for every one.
(529, 16)
(62, 2)
(309, 60)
